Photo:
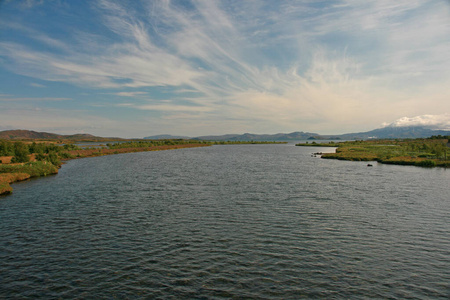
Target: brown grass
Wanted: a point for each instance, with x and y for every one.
(100, 152)
(7, 178)
(6, 159)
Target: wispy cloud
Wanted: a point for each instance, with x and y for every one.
(174, 108)
(130, 94)
(286, 65)
(16, 99)
(33, 84)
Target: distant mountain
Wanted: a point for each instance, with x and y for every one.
(27, 134)
(165, 137)
(390, 132)
(393, 132)
(294, 136)
(30, 135)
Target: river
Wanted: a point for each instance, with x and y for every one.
(232, 221)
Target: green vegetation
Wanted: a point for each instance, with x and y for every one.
(157, 143)
(428, 152)
(314, 144)
(46, 158)
(14, 172)
(34, 169)
(152, 143)
(244, 142)
(20, 150)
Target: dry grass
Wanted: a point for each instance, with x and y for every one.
(7, 178)
(100, 152)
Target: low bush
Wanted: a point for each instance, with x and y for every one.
(66, 155)
(426, 163)
(34, 169)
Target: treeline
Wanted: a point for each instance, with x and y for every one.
(21, 151)
(152, 143)
(156, 143)
(439, 137)
(244, 142)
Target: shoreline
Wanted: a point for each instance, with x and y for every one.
(24, 171)
(412, 152)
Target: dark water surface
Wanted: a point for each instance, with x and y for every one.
(247, 221)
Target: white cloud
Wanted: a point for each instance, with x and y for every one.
(168, 107)
(441, 122)
(33, 84)
(130, 94)
(289, 64)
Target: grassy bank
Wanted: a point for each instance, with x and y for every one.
(432, 152)
(10, 173)
(314, 144)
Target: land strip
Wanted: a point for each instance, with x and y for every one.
(43, 164)
(430, 152)
(24, 159)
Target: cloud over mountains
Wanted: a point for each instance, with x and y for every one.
(441, 122)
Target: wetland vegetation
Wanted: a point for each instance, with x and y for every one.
(429, 152)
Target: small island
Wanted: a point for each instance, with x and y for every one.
(429, 152)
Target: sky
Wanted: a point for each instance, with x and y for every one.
(140, 68)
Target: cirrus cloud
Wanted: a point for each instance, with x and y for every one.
(256, 66)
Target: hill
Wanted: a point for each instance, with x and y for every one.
(165, 137)
(294, 136)
(389, 132)
(34, 135)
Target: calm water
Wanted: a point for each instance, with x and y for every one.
(248, 221)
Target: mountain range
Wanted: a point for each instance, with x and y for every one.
(389, 132)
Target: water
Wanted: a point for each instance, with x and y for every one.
(247, 221)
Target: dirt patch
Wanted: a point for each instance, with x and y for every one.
(6, 159)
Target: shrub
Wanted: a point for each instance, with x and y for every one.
(426, 163)
(66, 155)
(20, 153)
(40, 157)
(52, 157)
(34, 169)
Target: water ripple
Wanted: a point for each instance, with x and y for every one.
(259, 222)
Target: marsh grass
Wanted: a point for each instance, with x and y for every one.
(418, 152)
(10, 173)
(34, 169)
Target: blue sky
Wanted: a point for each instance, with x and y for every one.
(139, 68)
